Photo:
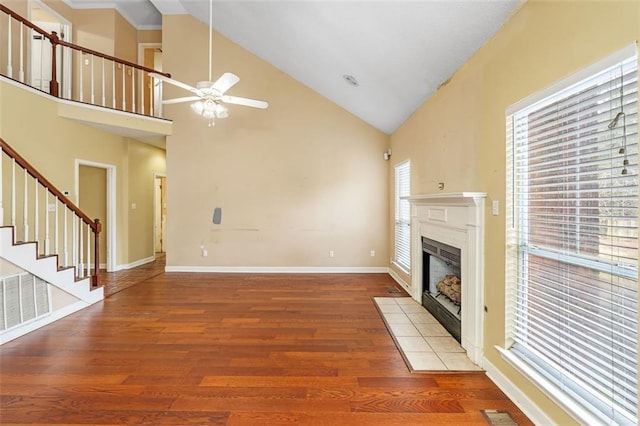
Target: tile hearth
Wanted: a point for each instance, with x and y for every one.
(424, 343)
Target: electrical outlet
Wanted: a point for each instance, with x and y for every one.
(205, 253)
(331, 253)
(373, 253)
(51, 207)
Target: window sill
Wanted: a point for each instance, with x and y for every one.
(400, 268)
(550, 389)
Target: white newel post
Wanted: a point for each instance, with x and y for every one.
(456, 219)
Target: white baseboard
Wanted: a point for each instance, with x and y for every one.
(531, 410)
(399, 280)
(21, 330)
(137, 263)
(282, 269)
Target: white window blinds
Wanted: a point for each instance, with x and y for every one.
(402, 215)
(574, 227)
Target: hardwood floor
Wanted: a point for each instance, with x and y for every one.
(233, 349)
(115, 282)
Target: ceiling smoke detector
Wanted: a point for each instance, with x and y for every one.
(351, 80)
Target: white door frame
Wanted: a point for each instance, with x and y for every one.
(111, 206)
(157, 101)
(155, 211)
(66, 69)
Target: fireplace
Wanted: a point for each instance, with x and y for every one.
(441, 284)
(455, 221)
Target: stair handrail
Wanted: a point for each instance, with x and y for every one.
(94, 224)
(55, 41)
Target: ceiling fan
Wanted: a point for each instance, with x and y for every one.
(209, 96)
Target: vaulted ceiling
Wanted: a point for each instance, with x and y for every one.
(399, 52)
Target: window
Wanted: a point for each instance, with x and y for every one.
(572, 258)
(403, 216)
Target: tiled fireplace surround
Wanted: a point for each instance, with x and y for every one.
(456, 219)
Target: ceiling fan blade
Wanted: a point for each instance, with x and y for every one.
(174, 82)
(245, 101)
(225, 82)
(179, 100)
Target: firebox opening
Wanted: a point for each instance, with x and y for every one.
(441, 283)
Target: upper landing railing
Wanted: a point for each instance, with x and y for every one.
(66, 70)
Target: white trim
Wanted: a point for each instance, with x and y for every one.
(155, 210)
(28, 327)
(456, 219)
(111, 206)
(574, 78)
(281, 269)
(399, 279)
(100, 108)
(524, 403)
(135, 264)
(557, 395)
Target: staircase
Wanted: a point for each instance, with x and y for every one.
(53, 270)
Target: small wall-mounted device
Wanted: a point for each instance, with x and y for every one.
(440, 185)
(217, 216)
(387, 154)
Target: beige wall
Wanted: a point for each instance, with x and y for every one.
(458, 136)
(294, 181)
(54, 145)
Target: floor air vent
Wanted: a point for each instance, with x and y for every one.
(392, 290)
(499, 418)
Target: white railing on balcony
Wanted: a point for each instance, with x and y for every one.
(40, 213)
(96, 78)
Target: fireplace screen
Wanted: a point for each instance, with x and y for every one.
(442, 285)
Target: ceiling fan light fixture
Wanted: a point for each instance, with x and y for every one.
(209, 95)
(221, 111)
(205, 108)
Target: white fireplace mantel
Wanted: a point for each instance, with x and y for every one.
(456, 219)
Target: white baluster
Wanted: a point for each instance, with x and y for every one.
(74, 243)
(133, 89)
(21, 65)
(88, 251)
(151, 112)
(41, 61)
(56, 226)
(113, 84)
(81, 62)
(142, 90)
(47, 241)
(36, 204)
(104, 89)
(25, 206)
(13, 193)
(93, 92)
(66, 57)
(65, 235)
(80, 248)
(9, 52)
(124, 93)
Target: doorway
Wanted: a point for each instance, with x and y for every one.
(95, 194)
(40, 50)
(150, 56)
(160, 213)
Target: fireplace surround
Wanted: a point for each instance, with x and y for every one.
(457, 220)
